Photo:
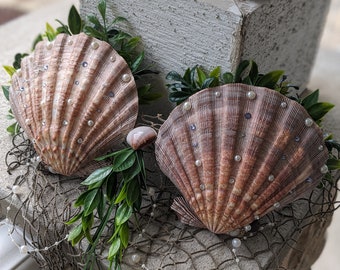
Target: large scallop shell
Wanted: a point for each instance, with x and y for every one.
(237, 152)
(75, 98)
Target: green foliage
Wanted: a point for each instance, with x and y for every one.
(112, 190)
(196, 79)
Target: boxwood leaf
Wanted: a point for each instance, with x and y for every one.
(5, 90)
(123, 214)
(97, 175)
(270, 79)
(310, 100)
(91, 201)
(114, 249)
(318, 110)
(333, 164)
(124, 235)
(74, 21)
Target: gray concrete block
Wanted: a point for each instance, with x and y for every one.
(177, 34)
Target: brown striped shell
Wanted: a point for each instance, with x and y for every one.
(236, 152)
(75, 98)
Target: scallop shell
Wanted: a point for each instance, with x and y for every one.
(236, 152)
(75, 98)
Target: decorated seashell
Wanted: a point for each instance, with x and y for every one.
(75, 98)
(236, 152)
(141, 136)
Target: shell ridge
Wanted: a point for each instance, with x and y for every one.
(229, 100)
(185, 213)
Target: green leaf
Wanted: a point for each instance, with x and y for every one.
(310, 100)
(102, 9)
(36, 40)
(81, 199)
(216, 72)
(87, 223)
(74, 234)
(74, 219)
(208, 83)
(124, 235)
(13, 129)
(240, 69)
(125, 151)
(74, 21)
(333, 164)
(124, 161)
(253, 72)
(131, 173)
(97, 175)
(178, 97)
(133, 191)
(5, 90)
(91, 201)
(319, 110)
(201, 76)
(174, 76)
(119, 19)
(123, 214)
(90, 31)
(270, 79)
(111, 187)
(228, 77)
(10, 70)
(136, 64)
(122, 195)
(101, 206)
(114, 249)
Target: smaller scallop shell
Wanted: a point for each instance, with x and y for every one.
(237, 152)
(140, 137)
(75, 98)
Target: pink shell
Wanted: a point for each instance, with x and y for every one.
(75, 98)
(140, 137)
(237, 152)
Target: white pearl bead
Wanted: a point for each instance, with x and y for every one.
(49, 45)
(94, 45)
(136, 258)
(19, 73)
(70, 42)
(277, 205)
(309, 122)
(247, 228)
(198, 163)
(284, 104)
(236, 242)
(202, 187)
(80, 140)
(126, 78)
(23, 249)
(324, 169)
(187, 106)
(251, 95)
(271, 178)
(237, 158)
(321, 147)
(16, 189)
(231, 181)
(113, 58)
(90, 123)
(217, 94)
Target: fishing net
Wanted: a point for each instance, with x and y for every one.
(39, 203)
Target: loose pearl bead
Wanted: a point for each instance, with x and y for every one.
(236, 242)
(135, 258)
(23, 249)
(237, 158)
(187, 106)
(126, 78)
(309, 122)
(324, 169)
(16, 189)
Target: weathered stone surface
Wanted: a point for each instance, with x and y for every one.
(177, 34)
